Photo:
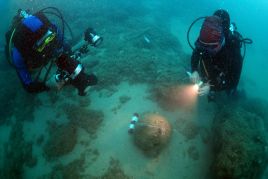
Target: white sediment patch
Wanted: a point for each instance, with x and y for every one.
(113, 140)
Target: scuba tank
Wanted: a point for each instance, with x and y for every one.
(21, 14)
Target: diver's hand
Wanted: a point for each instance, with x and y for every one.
(37, 87)
(204, 89)
(59, 85)
(194, 77)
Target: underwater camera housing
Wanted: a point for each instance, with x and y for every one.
(92, 38)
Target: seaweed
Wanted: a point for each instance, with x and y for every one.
(114, 171)
(7, 104)
(187, 127)
(256, 106)
(71, 170)
(138, 61)
(87, 119)
(40, 140)
(193, 153)
(124, 99)
(205, 135)
(21, 106)
(62, 140)
(25, 107)
(14, 160)
(239, 144)
(63, 137)
(84, 102)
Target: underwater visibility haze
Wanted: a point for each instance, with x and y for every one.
(142, 118)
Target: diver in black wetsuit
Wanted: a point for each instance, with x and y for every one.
(216, 59)
(33, 42)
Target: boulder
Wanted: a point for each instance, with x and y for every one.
(152, 133)
(62, 141)
(239, 143)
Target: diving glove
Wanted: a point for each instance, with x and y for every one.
(83, 81)
(36, 87)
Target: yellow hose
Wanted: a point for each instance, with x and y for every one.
(9, 46)
(205, 68)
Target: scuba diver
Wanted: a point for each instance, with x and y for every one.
(33, 43)
(216, 59)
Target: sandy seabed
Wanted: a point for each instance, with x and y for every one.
(186, 155)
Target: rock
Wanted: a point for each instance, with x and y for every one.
(31, 162)
(152, 133)
(17, 153)
(92, 64)
(87, 119)
(114, 171)
(187, 127)
(205, 135)
(193, 153)
(239, 144)
(62, 141)
(69, 171)
(40, 140)
(124, 99)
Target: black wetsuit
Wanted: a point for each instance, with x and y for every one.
(222, 70)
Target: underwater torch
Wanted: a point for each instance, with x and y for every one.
(196, 85)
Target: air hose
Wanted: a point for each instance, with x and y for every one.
(245, 41)
(189, 30)
(10, 47)
(56, 13)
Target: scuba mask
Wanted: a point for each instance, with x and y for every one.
(211, 38)
(44, 41)
(211, 48)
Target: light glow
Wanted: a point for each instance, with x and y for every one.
(184, 96)
(195, 87)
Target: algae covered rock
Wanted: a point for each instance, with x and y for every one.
(62, 140)
(239, 144)
(114, 171)
(187, 127)
(152, 133)
(71, 170)
(17, 153)
(87, 119)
